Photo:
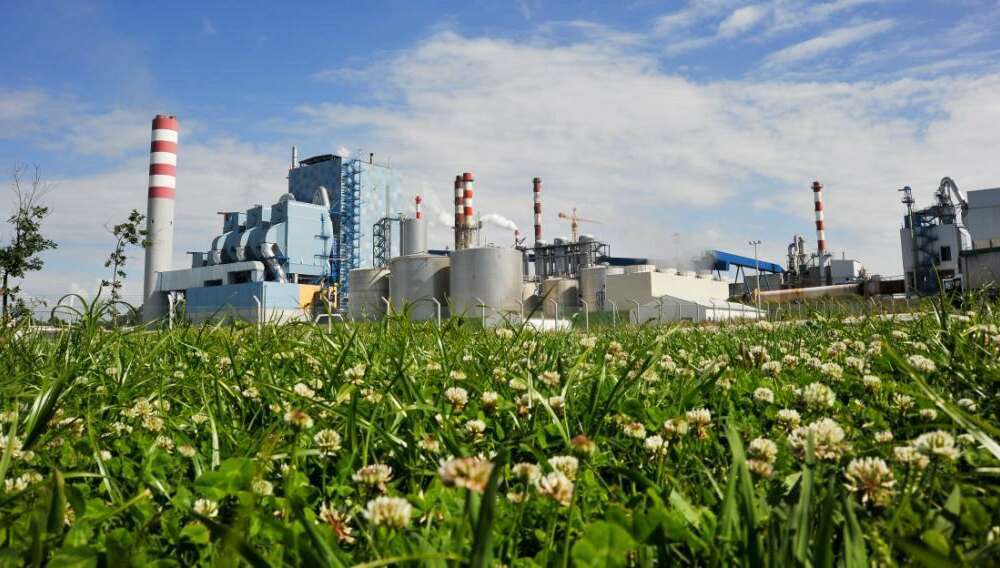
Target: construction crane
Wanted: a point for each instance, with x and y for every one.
(574, 223)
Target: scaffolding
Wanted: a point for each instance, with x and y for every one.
(382, 241)
(349, 244)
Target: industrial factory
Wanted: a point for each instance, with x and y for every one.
(335, 244)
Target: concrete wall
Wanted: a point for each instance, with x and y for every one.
(279, 302)
(981, 269)
(983, 219)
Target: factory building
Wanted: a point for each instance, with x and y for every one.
(276, 262)
(953, 244)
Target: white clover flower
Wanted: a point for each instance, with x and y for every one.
(164, 443)
(504, 333)
(856, 363)
(921, 363)
(262, 487)
(772, 368)
(356, 374)
(457, 375)
(105, 455)
(392, 512)
(903, 402)
(490, 399)
(763, 449)
(550, 378)
(967, 404)
(327, 441)
(872, 479)
(475, 428)
(206, 508)
(817, 396)
(909, 456)
(634, 430)
(457, 396)
(303, 390)
(568, 465)
(429, 444)
(928, 413)
(468, 473)
(763, 394)
(374, 475)
(558, 404)
(675, 427)
(337, 521)
(789, 417)
(832, 370)
(655, 445)
(557, 487)
(187, 451)
(299, 419)
(937, 444)
(871, 382)
(828, 436)
(526, 472)
(883, 437)
(588, 341)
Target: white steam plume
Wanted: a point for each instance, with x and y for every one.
(499, 221)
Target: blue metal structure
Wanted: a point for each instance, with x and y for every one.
(723, 261)
(361, 193)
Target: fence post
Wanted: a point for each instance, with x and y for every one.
(636, 311)
(614, 312)
(586, 313)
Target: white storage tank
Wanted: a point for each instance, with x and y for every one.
(640, 268)
(563, 291)
(488, 275)
(369, 289)
(592, 283)
(414, 280)
(413, 236)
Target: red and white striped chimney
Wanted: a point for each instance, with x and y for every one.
(459, 213)
(820, 226)
(160, 212)
(468, 181)
(418, 214)
(537, 192)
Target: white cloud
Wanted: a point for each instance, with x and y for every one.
(827, 42)
(742, 20)
(651, 153)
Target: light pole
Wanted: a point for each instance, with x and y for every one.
(756, 261)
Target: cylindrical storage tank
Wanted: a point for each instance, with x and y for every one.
(487, 275)
(592, 281)
(640, 268)
(413, 236)
(369, 289)
(564, 291)
(415, 279)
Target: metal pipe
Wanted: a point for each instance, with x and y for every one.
(790, 294)
(269, 252)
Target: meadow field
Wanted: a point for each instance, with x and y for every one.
(824, 442)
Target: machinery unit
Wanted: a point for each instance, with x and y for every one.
(953, 244)
(932, 239)
(487, 276)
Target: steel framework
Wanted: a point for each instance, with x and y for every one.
(349, 244)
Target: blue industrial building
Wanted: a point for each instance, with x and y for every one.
(277, 261)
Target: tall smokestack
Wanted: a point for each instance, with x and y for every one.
(468, 181)
(160, 212)
(417, 214)
(459, 213)
(537, 192)
(820, 226)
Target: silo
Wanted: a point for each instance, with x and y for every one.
(487, 275)
(415, 279)
(413, 236)
(592, 282)
(369, 288)
(563, 291)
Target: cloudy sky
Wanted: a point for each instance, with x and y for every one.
(681, 125)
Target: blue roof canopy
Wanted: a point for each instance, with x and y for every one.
(723, 261)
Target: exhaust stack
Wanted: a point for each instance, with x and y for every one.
(160, 213)
(459, 214)
(817, 188)
(537, 192)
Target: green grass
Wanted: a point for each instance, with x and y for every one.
(181, 447)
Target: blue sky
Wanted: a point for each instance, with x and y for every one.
(707, 119)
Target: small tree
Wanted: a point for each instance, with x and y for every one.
(21, 254)
(127, 233)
